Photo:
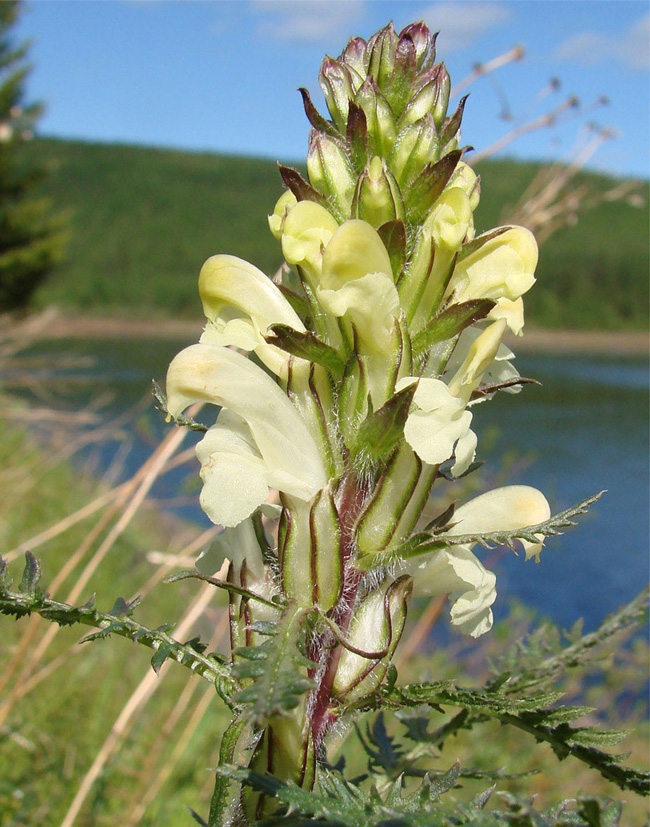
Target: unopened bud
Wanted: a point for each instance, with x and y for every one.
(414, 148)
(355, 57)
(330, 170)
(439, 109)
(467, 180)
(379, 118)
(377, 198)
(306, 230)
(375, 630)
(431, 98)
(382, 48)
(399, 86)
(336, 82)
(423, 41)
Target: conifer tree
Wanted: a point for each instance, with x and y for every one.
(31, 239)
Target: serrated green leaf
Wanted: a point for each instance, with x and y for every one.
(306, 346)
(275, 669)
(380, 433)
(160, 656)
(449, 323)
(425, 542)
(31, 575)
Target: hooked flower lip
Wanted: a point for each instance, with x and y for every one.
(357, 283)
(458, 572)
(261, 442)
(241, 303)
(439, 425)
(503, 509)
(502, 267)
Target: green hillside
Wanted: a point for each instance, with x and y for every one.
(143, 221)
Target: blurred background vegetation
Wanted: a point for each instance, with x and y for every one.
(142, 221)
(89, 735)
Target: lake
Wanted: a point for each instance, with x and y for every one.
(584, 430)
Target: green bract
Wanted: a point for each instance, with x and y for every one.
(353, 385)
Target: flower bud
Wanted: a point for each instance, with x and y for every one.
(431, 98)
(310, 550)
(377, 198)
(379, 117)
(400, 84)
(306, 230)
(375, 630)
(450, 219)
(336, 82)
(355, 57)
(414, 148)
(424, 43)
(439, 108)
(330, 170)
(382, 48)
(467, 180)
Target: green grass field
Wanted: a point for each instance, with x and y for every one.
(143, 221)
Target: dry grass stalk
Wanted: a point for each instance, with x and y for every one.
(34, 623)
(16, 336)
(169, 765)
(135, 495)
(482, 69)
(546, 120)
(149, 779)
(139, 698)
(420, 632)
(549, 203)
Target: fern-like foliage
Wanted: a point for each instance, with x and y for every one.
(340, 803)
(546, 655)
(275, 672)
(29, 599)
(435, 538)
(535, 714)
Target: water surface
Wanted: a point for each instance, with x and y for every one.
(584, 430)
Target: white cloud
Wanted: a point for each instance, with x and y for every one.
(307, 20)
(632, 47)
(461, 24)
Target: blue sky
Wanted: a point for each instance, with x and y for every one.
(222, 75)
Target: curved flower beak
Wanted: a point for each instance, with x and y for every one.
(499, 370)
(306, 230)
(502, 267)
(458, 572)
(357, 283)
(503, 509)
(480, 355)
(265, 444)
(470, 586)
(241, 303)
